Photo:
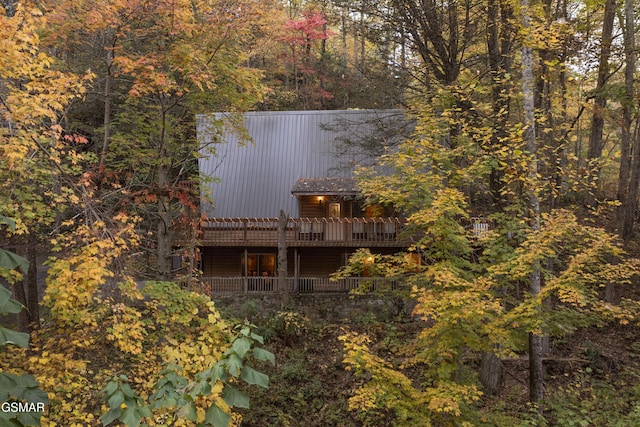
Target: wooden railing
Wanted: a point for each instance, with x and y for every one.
(303, 231)
(260, 285)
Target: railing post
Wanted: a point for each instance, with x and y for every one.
(245, 222)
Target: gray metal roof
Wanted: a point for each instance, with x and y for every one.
(326, 186)
(255, 180)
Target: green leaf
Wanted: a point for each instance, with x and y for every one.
(188, 411)
(241, 346)
(131, 417)
(110, 416)
(10, 261)
(200, 388)
(144, 411)
(8, 304)
(251, 376)
(26, 382)
(217, 417)
(7, 336)
(110, 388)
(29, 418)
(35, 394)
(11, 223)
(234, 397)
(116, 399)
(7, 386)
(264, 355)
(257, 338)
(234, 364)
(7, 419)
(218, 372)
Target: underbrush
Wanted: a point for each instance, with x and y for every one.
(310, 386)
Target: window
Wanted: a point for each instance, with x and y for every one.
(259, 265)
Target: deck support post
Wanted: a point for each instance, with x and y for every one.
(296, 269)
(283, 289)
(245, 281)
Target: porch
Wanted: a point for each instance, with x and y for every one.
(300, 232)
(262, 285)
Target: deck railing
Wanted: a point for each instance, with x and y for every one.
(303, 231)
(262, 285)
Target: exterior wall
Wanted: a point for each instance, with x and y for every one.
(320, 261)
(314, 262)
(224, 262)
(313, 207)
(227, 261)
(310, 207)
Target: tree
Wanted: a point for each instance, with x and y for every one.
(467, 289)
(306, 72)
(629, 173)
(23, 388)
(39, 164)
(536, 350)
(165, 60)
(600, 96)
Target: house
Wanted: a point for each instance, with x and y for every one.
(299, 164)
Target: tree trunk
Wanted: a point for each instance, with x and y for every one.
(536, 385)
(20, 296)
(629, 175)
(163, 237)
(107, 111)
(491, 373)
(600, 100)
(499, 49)
(32, 282)
(283, 289)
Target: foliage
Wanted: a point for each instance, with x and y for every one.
(588, 400)
(289, 326)
(179, 399)
(467, 287)
(33, 97)
(157, 326)
(21, 388)
(386, 388)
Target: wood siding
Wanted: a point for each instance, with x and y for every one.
(311, 207)
(227, 262)
(320, 261)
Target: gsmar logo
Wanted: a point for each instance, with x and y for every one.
(22, 407)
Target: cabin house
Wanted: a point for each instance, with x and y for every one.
(292, 190)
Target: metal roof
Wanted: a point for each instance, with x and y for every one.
(255, 179)
(326, 186)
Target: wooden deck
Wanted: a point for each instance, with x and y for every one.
(300, 232)
(262, 285)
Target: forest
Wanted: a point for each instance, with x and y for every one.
(525, 112)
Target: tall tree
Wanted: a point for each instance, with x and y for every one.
(600, 97)
(164, 61)
(629, 172)
(39, 165)
(536, 384)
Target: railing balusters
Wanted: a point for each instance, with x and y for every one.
(304, 231)
(261, 285)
